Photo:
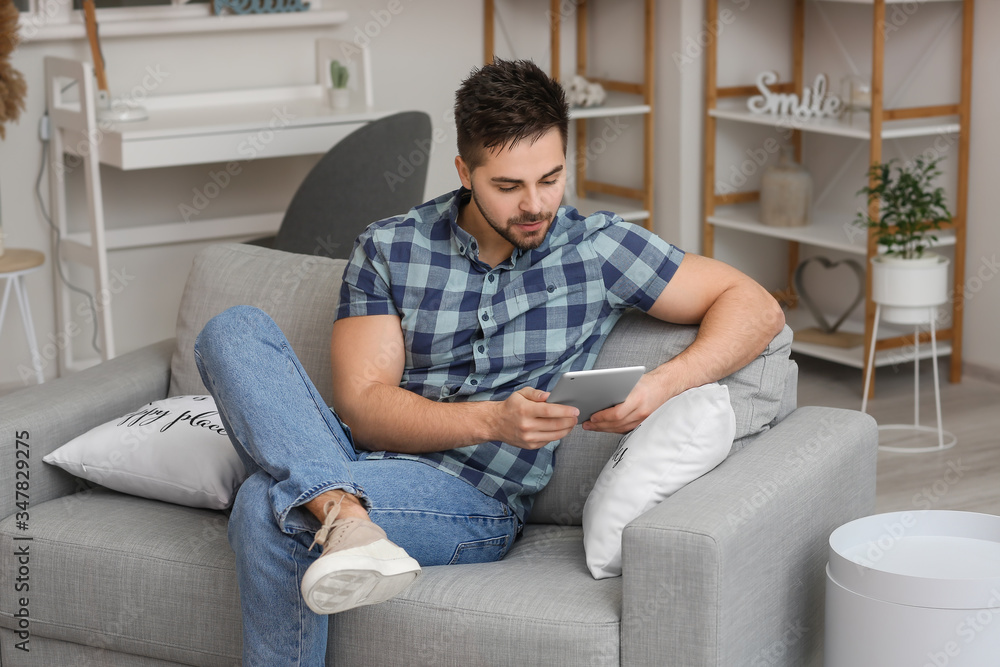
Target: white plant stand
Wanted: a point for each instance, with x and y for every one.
(946, 439)
(14, 264)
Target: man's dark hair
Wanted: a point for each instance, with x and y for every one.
(502, 103)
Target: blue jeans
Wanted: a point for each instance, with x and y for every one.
(294, 448)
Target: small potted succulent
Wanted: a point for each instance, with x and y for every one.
(907, 279)
(339, 94)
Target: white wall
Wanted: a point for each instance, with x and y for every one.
(419, 59)
(982, 311)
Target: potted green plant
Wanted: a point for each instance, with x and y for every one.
(339, 94)
(907, 279)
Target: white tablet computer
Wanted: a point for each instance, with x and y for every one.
(593, 391)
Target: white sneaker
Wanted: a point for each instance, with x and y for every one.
(359, 566)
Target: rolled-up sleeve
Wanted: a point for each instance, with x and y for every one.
(637, 264)
(365, 288)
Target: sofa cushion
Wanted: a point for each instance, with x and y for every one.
(299, 292)
(756, 391)
(538, 606)
(117, 572)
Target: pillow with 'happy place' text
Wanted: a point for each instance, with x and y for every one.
(175, 450)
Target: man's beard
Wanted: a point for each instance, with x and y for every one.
(529, 243)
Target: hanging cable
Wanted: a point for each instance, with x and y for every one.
(55, 230)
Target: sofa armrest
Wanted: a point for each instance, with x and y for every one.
(49, 415)
(730, 570)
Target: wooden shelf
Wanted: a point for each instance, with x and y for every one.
(835, 230)
(854, 357)
(626, 208)
(616, 104)
(855, 126)
(825, 230)
(888, 2)
(624, 98)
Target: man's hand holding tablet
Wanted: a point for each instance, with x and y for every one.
(596, 390)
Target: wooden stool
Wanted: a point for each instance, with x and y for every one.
(14, 263)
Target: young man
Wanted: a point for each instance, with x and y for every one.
(454, 321)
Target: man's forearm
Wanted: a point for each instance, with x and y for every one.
(389, 418)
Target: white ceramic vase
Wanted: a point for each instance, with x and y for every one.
(340, 98)
(785, 194)
(908, 288)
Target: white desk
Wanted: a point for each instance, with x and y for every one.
(234, 126)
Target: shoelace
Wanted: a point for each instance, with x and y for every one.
(332, 509)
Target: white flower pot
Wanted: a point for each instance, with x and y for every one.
(340, 98)
(907, 288)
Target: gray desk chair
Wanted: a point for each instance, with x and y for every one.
(377, 171)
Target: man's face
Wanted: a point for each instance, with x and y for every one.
(518, 189)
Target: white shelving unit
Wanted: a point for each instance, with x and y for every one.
(625, 98)
(188, 129)
(833, 229)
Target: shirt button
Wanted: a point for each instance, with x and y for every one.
(473, 382)
(486, 317)
(492, 277)
(551, 289)
(481, 348)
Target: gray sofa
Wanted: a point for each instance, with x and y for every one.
(728, 571)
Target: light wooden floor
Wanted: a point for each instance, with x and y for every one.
(965, 477)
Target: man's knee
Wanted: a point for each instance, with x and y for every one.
(231, 329)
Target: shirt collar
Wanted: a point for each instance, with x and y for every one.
(464, 242)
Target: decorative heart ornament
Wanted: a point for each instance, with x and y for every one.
(827, 264)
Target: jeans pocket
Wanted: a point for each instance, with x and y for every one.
(481, 551)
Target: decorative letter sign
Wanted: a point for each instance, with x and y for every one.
(260, 6)
(814, 102)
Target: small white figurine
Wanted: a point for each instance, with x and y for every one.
(583, 93)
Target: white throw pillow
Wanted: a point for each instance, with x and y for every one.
(679, 442)
(174, 450)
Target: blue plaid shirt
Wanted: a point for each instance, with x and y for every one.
(474, 332)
